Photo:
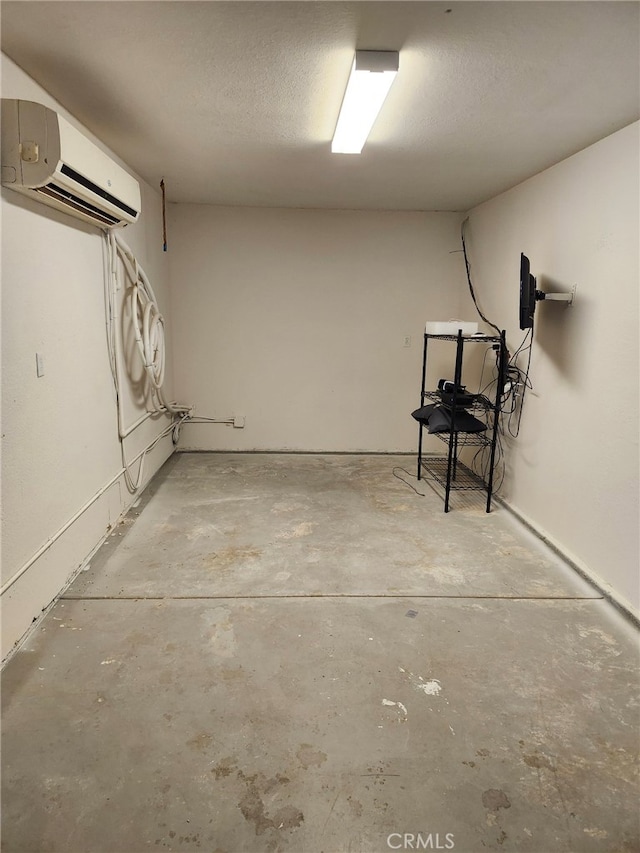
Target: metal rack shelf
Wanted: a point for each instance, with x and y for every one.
(465, 439)
(463, 477)
(450, 472)
(479, 405)
(483, 339)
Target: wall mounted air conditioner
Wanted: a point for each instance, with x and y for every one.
(45, 157)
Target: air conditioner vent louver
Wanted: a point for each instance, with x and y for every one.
(76, 204)
(46, 157)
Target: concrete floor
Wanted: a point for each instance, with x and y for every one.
(298, 653)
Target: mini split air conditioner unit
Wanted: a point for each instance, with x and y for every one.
(45, 157)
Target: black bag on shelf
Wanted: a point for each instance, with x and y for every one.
(438, 419)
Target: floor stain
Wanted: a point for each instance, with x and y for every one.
(305, 528)
(231, 674)
(536, 760)
(494, 799)
(274, 782)
(139, 638)
(227, 557)
(386, 506)
(224, 768)
(309, 757)
(355, 805)
(201, 741)
(253, 809)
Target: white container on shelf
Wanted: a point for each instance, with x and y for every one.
(450, 327)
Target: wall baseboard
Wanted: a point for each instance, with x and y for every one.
(580, 568)
(34, 593)
(303, 452)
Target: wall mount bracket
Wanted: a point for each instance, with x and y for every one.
(557, 297)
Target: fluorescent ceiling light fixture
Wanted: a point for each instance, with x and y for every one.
(372, 74)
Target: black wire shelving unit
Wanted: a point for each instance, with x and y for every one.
(448, 471)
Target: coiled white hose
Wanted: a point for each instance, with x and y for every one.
(148, 325)
(148, 328)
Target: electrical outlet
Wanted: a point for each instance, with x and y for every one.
(238, 421)
(39, 364)
(407, 341)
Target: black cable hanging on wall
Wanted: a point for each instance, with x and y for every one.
(468, 269)
(164, 218)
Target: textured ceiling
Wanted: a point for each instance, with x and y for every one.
(235, 103)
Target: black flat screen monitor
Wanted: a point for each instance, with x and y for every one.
(527, 294)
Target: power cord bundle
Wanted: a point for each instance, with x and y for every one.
(481, 462)
(517, 383)
(516, 379)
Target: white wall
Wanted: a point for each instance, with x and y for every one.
(573, 470)
(59, 432)
(296, 319)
